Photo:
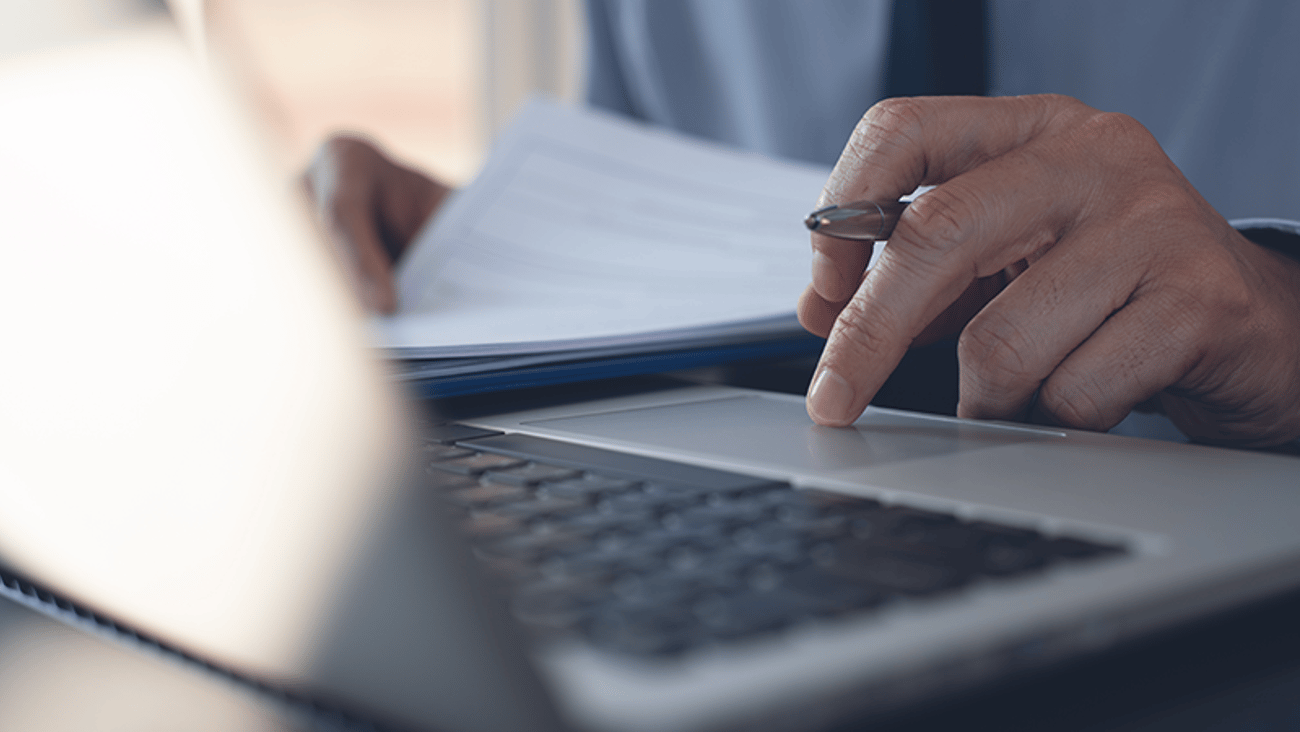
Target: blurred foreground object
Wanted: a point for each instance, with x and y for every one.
(195, 442)
(57, 679)
(176, 354)
(33, 25)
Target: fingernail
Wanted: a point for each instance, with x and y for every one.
(830, 400)
(826, 277)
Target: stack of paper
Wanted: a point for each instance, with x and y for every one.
(592, 246)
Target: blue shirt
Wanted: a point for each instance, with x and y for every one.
(1216, 82)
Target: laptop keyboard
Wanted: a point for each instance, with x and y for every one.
(651, 557)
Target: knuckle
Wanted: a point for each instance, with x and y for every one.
(1121, 142)
(888, 122)
(936, 223)
(1166, 202)
(1055, 109)
(1074, 401)
(895, 115)
(1234, 301)
(1189, 298)
(1061, 102)
(1112, 126)
(1204, 297)
(861, 332)
(997, 350)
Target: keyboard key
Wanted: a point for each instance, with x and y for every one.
(444, 482)
(529, 474)
(761, 491)
(787, 503)
(876, 567)
(762, 533)
(513, 571)
(1000, 558)
(713, 568)
(649, 629)
(731, 514)
(660, 588)
(437, 452)
(630, 543)
(814, 529)
(586, 485)
(749, 612)
(594, 521)
(786, 552)
(949, 535)
(557, 604)
(576, 564)
(478, 496)
(831, 594)
(539, 506)
(532, 545)
(446, 434)
(697, 537)
(642, 501)
(476, 464)
(479, 526)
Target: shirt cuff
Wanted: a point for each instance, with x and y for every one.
(1283, 237)
(1279, 235)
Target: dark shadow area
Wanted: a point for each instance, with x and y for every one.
(1236, 672)
(924, 381)
(450, 409)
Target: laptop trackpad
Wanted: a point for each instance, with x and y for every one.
(778, 431)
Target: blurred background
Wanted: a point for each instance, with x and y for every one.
(430, 79)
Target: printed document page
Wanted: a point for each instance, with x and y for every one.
(589, 231)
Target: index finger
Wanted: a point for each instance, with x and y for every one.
(930, 261)
(903, 143)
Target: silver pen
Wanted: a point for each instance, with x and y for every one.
(862, 220)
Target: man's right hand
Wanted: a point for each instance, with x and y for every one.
(1084, 272)
(372, 207)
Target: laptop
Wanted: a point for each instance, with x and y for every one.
(200, 450)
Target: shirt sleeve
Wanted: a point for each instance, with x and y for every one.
(1279, 235)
